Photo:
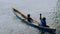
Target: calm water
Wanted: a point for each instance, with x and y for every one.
(58, 17)
(9, 24)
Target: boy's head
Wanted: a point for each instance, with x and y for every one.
(28, 15)
(44, 18)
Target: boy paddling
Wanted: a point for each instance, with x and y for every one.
(43, 21)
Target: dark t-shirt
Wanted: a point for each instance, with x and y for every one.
(29, 19)
(43, 22)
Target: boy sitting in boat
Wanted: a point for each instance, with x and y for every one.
(29, 19)
(43, 21)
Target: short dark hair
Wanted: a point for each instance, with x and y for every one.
(28, 15)
(44, 18)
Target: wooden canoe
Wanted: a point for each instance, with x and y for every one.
(46, 29)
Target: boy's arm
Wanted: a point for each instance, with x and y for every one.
(40, 16)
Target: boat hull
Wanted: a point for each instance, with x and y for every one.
(50, 30)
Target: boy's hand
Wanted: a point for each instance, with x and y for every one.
(40, 14)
